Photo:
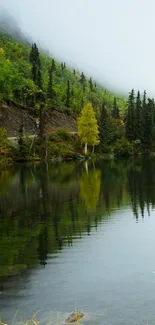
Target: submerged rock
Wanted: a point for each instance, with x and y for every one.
(74, 317)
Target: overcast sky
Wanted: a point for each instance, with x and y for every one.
(111, 40)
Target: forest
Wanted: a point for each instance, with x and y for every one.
(38, 82)
(29, 77)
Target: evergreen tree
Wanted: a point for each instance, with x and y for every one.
(62, 66)
(149, 124)
(36, 72)
(130, 118)
(53, 66)
(39, 79)
(104, 127)
(21, 142)
(35, 62)
(83, 81)
(88, 127)
(138, 117)
(74, 71)
(50, 89)
(91, 84)
(115, 110)
(68, 94)
(143, 118)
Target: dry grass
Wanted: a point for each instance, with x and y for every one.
(32, 321)
(45, 321)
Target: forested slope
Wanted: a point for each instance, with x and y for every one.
(60, 86)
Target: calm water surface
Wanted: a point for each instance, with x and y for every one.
(75, 236)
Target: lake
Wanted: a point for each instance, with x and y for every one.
(77, 235)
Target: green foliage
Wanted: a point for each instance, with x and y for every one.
(104, 127)
(115, 110)
(140, 120)
(59, 143)
(5, 149)
(123, 148)
(51, 94)
(36, 64)
(87, 127)
(90, 183)
(62, 149)
(37, 81)
(26, 147)
(91, 84)
(25, 79)
(130, 120)
(1, 53)
(63, 134)
(4, 142)
(68, 94)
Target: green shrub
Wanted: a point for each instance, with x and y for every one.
(64, 134)
(53, 149)
(107, 149)
(4, 142)
(63, 150)
(123, 148)
(54, 136)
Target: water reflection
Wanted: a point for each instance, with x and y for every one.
(90, 183)
(44, 208)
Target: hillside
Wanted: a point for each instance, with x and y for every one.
(70, 88)
(35, 85)
(12, 116)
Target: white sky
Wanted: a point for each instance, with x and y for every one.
(111, 40)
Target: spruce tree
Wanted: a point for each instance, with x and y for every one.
(143, 118)
(35, 62)
(53, 66)
(115, 110)
(39, 79)
(91, 84)
(149, 125)
(104, 127)
(50, 89)
(82, 81)
(36, 71)
(130, 118)
(138, 118)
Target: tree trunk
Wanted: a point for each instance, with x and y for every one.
(85, 149)
(46, 150)
(86, 166)
(42, 122)
(93, 150)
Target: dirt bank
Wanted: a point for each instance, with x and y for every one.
(11, 117)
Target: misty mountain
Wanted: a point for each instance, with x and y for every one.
(10, 26)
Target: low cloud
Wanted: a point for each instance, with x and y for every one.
(113, 41)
